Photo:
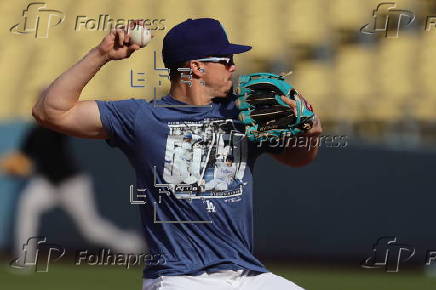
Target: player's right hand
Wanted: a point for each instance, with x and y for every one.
(116, 46)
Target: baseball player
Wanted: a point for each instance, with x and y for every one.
(183, 155)
(55, 179)
(224, 175)
(217, 254)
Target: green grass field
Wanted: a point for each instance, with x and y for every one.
(69, 277)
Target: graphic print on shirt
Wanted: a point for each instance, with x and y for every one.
(205, 159)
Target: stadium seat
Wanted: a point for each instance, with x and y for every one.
(350, 14)
(314, 81)
(264, 27)
(307, 22)
(397, 64)
(353, 80)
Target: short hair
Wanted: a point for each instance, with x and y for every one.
(174, 74)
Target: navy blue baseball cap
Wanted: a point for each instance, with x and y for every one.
(197, 38)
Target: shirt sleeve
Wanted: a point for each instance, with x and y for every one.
(118, 119)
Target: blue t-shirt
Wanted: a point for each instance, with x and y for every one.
(194, 166)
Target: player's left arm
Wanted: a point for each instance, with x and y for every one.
(299, 156)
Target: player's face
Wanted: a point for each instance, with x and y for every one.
(218, 77)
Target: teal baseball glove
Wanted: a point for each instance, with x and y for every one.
(265, 114)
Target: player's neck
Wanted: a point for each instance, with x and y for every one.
(195, 95)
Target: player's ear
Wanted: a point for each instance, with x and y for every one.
(197, 67)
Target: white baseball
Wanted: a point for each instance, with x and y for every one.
(139, 35)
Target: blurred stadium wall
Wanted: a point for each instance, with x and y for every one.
(378, 91)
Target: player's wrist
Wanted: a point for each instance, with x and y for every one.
(99, 56)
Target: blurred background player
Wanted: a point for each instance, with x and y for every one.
(183, 158)
(55, 180)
